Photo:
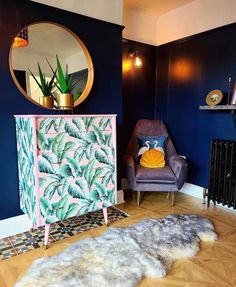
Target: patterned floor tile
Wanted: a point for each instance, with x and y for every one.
(28, 240)
(6, 249)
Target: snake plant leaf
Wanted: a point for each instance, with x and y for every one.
(70, 80)
(42, 80)
(45, 86)
(77, 94)
(61, 78)
(40, 86)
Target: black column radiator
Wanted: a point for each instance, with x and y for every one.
(222, 173)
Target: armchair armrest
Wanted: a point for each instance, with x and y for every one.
(130, 170)
(179, 166)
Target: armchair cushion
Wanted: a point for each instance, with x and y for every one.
(157, 175)
(146, 143)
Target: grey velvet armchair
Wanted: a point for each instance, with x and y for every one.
(169, 178)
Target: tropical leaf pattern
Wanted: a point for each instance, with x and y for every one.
(76, 158)
(25, 154)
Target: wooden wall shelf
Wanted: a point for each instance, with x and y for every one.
(218, 107)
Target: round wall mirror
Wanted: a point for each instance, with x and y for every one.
(50, 44)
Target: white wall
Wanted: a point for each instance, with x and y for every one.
(195, 17)
(106, 10)
(189, 19)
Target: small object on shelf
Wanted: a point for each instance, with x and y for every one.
(229, 90)
(233, 98)
(214, 97)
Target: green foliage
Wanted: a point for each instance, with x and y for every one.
(77, 160)
(44, 85)
(64, 81)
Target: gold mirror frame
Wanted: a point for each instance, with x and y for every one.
(90, 78)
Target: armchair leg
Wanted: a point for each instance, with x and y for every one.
(172, 198)
(138, 198)
(168, 195)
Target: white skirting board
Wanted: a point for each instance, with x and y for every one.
(22, 223)
(14, 225)
(193, 190)
(197, 191)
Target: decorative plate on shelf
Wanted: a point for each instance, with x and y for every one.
(214, 97)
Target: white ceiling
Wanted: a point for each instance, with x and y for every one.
(153, 7)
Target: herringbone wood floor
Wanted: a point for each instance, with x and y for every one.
(213, 266)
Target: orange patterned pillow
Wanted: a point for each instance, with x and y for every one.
(152, 159)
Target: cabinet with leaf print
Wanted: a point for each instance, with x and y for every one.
(66, 166)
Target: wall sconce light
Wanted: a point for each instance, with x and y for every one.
(136, 59)
(21, 40)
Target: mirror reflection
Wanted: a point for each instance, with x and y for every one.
(52, 52)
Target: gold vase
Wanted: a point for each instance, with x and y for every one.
(46, 101)
(65, 102)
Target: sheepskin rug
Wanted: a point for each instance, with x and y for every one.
(121, 257)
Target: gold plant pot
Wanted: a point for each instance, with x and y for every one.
(65, 102)
(46, 101)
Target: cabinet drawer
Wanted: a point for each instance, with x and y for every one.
(73, 124)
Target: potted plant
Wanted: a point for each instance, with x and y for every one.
(46, 88)
(65, 99)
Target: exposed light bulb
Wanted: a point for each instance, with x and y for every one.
(138, 62)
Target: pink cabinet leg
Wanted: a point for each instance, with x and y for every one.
(105, 215)
(46, 235)
(32, 227)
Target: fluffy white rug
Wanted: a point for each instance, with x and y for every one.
(122, 256)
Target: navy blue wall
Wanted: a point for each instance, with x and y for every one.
(138, 87)
(104, 43)
(186, 71)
